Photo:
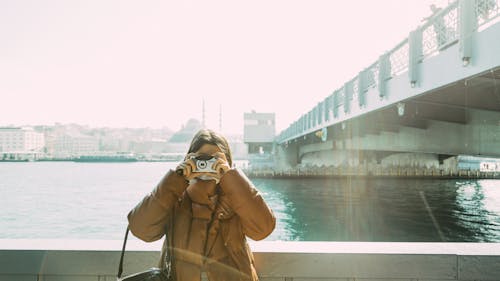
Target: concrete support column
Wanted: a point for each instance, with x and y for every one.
(289, 155)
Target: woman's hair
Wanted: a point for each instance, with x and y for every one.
(207, 136)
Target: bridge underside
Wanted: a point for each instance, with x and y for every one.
(462, 118)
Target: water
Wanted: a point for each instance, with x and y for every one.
(65, 200)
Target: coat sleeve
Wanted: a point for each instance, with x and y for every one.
(147, 220)
(258, 220)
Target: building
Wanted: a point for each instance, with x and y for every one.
(187, 132)
(475, 163)
(75, 145)
(259, 132)
(20, 143)
(20, 139)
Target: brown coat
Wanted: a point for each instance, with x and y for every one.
(219, 245)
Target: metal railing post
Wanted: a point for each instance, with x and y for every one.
(310, 117)
(361, 88)
(326, 114)
(321, 110)
(306, 122)
(315, 116)
(384, 72)
(335, 104)
(348, 91)
(330, 107)
(467, 22)
(415, 55)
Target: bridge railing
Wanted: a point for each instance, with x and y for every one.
(441, 31)
(487, 11)
(398, 58)
(451, 25)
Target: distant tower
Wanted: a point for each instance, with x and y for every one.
(203, 114)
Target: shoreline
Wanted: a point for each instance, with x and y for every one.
(461, 174)
(321, 173)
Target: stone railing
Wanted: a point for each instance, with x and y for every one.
(82, 260)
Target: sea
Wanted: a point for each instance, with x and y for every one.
(69, 200)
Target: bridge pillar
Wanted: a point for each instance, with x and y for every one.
(287, 155)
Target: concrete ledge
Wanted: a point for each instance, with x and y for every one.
(78, 260)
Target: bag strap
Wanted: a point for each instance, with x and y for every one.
(120, 267)
(165, 260)
(167, 253)
(162, 263)
(163, 253)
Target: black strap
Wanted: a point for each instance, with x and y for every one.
(120, 267)
(166, 258)
(169, 260)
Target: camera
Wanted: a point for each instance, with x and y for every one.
(204, 163)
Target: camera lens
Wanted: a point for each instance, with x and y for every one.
(201, 164)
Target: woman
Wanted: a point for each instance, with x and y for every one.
(206, 215)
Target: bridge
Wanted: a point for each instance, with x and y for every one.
(433, 96)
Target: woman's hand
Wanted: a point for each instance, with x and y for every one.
(187, 168)
(221, 166)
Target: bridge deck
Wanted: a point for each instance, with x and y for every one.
(429, 76)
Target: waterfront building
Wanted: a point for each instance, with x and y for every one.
(20, 143)
(239, 149)
(475, 163)
(258, 134)
(69, 145)
(259, 131)
(22, 139)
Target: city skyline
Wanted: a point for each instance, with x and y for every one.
(160, 127)
(119, 64)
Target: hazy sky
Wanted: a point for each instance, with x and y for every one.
(151, 63)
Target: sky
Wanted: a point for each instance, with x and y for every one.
(123, 63)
